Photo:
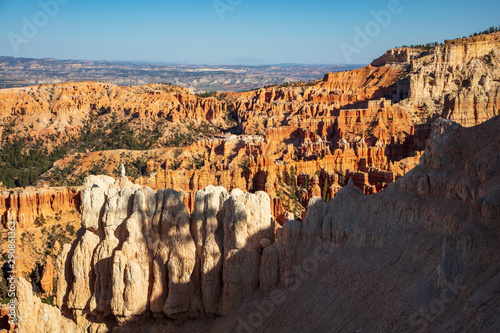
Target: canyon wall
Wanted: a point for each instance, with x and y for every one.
(26, 206)
(203, 264)
(140, 258)
(78, 99)
(459, 80)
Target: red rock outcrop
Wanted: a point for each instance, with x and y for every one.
(48, 276)
(5, 326)
(57, 113)
(401, 55)
(26, 206)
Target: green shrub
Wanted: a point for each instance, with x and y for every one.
(207, 94)
(175, 164)
(244, 164)
(48, 300)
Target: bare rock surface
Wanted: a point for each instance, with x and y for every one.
(140, 252)
(357, 263)
(35, 316)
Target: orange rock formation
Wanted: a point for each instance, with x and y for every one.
(25, 206)
(368, 124)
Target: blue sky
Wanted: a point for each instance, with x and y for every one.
(194, 31)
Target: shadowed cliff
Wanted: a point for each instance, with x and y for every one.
(420, 256)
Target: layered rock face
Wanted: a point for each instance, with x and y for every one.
(433, 232)
(141, 253)
(312, 149)
(458, 80)
(402, 55)
(78, 99)
(35, 316)
(26, 206)
(45, 218)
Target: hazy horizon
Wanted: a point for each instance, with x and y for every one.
(231, 62)
(219, 31)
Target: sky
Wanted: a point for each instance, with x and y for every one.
(218, 31)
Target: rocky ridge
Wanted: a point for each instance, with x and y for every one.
(135, 240)
(449, 202)
(458, 80)
(45, 218)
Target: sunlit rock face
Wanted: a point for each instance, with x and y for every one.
(140, 251)
(141, 258)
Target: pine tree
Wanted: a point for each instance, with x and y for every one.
(325, 190)
(292, 182)
(295, 200)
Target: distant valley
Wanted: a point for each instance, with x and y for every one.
(20, 72)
